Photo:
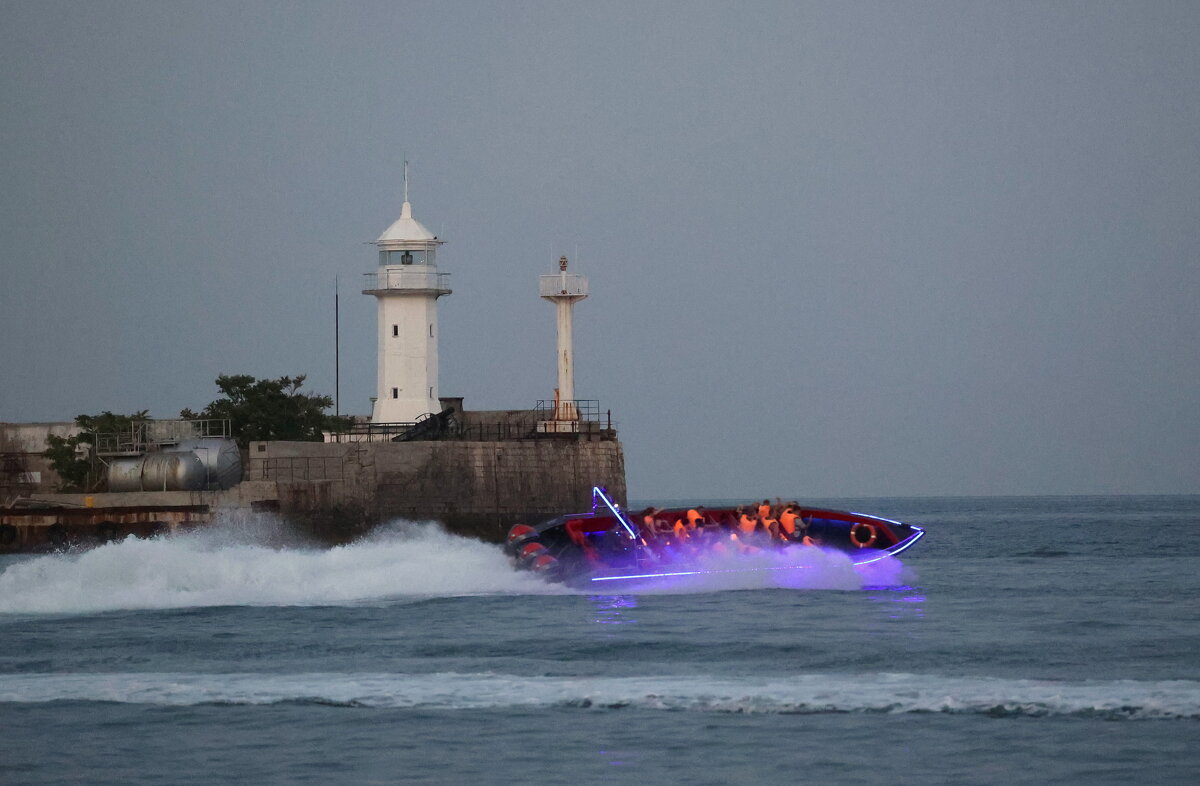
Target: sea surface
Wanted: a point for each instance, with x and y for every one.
(1025, 640)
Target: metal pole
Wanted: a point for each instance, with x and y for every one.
(337, 353)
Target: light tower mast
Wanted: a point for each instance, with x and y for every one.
(407, 286)
(564, 290)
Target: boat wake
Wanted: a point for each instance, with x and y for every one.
(252, 559)
(896, 694)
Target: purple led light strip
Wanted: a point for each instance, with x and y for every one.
(700, 572)
(902, 546)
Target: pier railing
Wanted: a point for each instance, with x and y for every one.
(582, 409)
(412, 432)
(591, 422)
(143, 435)
(295, 468)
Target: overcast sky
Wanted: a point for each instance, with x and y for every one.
(834, 248)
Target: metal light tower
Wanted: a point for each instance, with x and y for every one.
(564, 290)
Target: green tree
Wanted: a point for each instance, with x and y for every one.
(262, 409)
(64, 453)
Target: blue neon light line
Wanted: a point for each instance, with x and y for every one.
(616, 512)
(700, 572)
(879, 518)
(900, 547)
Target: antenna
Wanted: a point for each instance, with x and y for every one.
(337, 353)
(406, 180)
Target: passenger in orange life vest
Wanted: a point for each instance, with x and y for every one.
(787, 521)
(745, 536)
(694, 517)
(771, 526)
(648, 530)
(680, 530)
(764, 510)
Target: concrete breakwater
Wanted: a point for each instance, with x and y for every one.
(478, 489)
(338, 491)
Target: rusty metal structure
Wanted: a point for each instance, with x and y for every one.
(56, 527)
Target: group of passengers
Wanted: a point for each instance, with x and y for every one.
(749, 528)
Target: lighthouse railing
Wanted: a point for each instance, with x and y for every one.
(390, 278)
(559, 284)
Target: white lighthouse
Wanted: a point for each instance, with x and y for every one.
(406, 287)
(564, 290)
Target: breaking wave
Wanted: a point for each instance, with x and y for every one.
(801, 694)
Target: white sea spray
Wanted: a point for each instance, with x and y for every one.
(255, 561)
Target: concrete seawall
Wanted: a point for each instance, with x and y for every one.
(339, 491)
(474, 488)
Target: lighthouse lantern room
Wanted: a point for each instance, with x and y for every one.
(407, 286)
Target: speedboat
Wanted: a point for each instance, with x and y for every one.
(609, 548)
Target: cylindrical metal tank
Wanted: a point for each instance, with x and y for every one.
(221, 459)
(181, 471)
(125, 474)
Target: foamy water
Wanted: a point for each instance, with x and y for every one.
(229, 565)
(1047, 640)
(806, 693)
(246, 560)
